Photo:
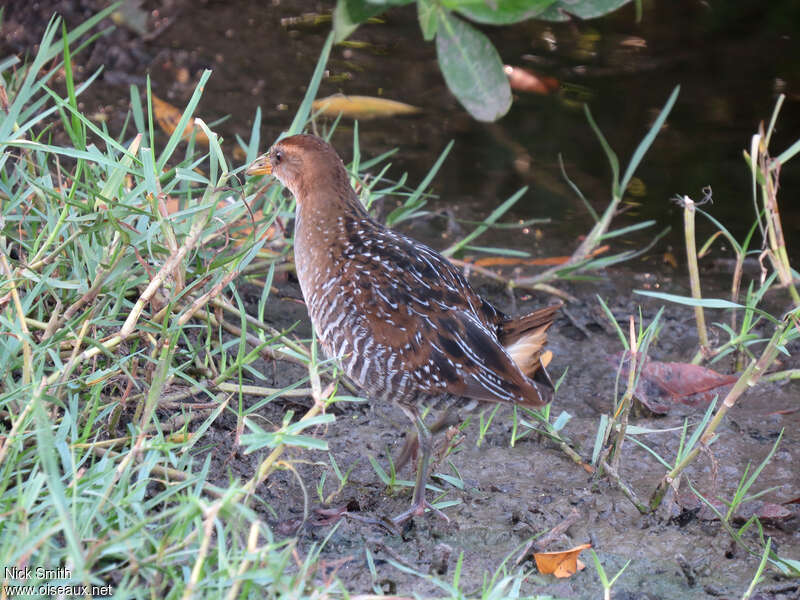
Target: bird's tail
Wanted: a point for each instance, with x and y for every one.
(524, 339)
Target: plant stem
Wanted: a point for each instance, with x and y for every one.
(748, 379)
(582, 252)
(613, 474)
(694, 272)
(769, 196)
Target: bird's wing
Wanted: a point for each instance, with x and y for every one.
(429, 323)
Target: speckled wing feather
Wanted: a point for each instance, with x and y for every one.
(429, 332)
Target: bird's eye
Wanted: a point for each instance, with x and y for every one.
(278, 156)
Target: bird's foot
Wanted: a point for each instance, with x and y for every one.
(417, 510)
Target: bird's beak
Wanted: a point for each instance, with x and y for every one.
(260, 166)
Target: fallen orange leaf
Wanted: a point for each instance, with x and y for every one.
(168, 117)
(500, 261)
(561, 564)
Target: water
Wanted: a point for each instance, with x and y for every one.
(730, 60)
(731, 63)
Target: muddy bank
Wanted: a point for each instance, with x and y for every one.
(511, 494)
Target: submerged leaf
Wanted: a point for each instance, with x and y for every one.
(472, 68)
(525, 80)
(362, 107)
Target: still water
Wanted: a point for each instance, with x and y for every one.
(731, 61)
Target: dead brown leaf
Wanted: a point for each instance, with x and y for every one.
(561, 564)
(168, 117)
(504, 261)
(362, 107)
(662, 384)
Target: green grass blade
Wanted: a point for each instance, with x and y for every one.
(610, 154)
(496, 214)
(647, 141)
(177, 135)
(689, 301)
(301, 117)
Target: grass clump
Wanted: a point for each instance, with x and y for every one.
(116, 261)
(125, 341)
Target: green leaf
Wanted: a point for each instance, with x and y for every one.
(644, 145)
(561, 10)
(426, 12)
(496, 214)
(626, 230)
(503, 12)
(301, 117)
(472, 68)
(349, 14)
(610, 154)
(789, 152)
(704, 302)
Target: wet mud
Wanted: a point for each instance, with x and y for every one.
(510, 494)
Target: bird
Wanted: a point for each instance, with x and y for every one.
(402, 321)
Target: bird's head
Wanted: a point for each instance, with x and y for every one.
(305, 164)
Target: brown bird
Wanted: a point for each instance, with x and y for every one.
(402, 321)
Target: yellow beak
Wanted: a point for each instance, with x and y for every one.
(260, 166)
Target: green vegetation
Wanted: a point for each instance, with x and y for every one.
(469, 62)
(113, 311)
(125, 341)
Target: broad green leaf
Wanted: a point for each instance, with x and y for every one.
(503, 12)
(426, 12)
(349, 14)
(472, 68)
(583, 9)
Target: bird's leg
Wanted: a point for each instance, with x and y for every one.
(411, 444)
(418, 503)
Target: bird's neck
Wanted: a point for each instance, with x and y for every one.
(322, 224)
(321, 214)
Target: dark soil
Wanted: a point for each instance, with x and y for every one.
(511, 494)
